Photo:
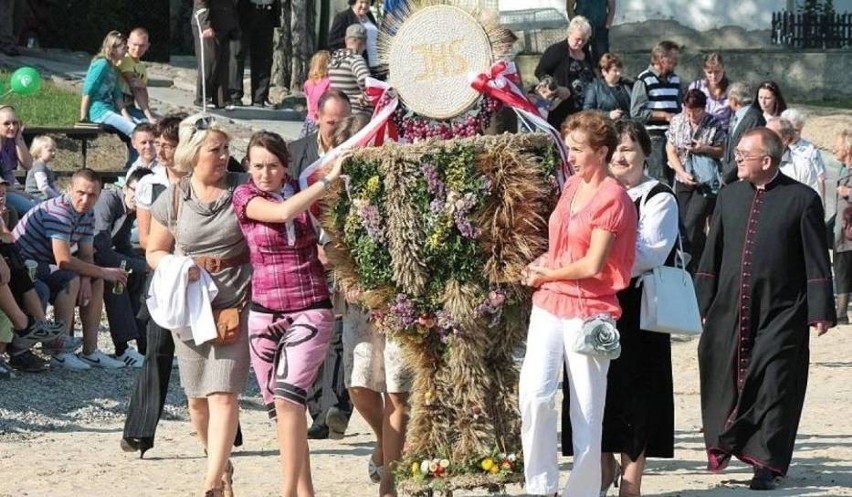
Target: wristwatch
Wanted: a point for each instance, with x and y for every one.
(326, 183)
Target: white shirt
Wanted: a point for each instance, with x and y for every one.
(657, 229)
(137, 164)
(178, 305)
(145, 186)
(808, 152)
(800, 168)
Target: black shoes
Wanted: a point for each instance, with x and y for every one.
(265, 105)
(764, 479)
(136, 444)
(318, 432)
(28, 362)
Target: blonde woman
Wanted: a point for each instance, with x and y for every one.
(317, 84)
(196, 217)
(14, 152)
(41, 180)
(569, 63)
(102, 100)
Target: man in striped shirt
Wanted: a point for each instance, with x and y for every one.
(656, 98)
(348, 71)
(49, 234)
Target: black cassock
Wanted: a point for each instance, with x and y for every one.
(763, 278)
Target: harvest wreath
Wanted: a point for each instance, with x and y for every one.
(435, 235)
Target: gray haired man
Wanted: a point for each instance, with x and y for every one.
(746, 116)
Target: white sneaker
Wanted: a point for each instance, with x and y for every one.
(98, 359)
(68, 360)
(131, 358)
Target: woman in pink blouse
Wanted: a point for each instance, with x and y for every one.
(592, 237)
(291, 317)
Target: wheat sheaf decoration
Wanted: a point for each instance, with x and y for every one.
(436, 234)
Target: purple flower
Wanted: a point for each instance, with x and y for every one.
(434, 184)
(463, 206)
(371, 219)
(493, 306)
(403, 312)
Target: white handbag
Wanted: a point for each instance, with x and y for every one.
(668, 302)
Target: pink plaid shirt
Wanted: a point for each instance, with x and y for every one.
(287, 274)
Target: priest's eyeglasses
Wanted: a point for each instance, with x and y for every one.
(741, 156)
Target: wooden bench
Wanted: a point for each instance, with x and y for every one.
(80, 131)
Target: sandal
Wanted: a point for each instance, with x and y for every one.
(616, 478)
(228, 480)
(374, 470)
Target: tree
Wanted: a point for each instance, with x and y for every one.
(295, 42)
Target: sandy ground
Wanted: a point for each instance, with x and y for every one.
(58, 455)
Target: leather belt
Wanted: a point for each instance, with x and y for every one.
(216, 264)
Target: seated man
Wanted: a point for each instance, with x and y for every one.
(20, 328)
(143, 142)
(134, 80)
(115, 215)
(48, 235)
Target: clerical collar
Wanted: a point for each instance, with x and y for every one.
(768, 183)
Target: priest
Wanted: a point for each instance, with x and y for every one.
(763, 279)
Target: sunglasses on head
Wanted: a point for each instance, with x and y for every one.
(203, 123)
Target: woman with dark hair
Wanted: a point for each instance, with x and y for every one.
(714, 85)
(770, 99)
(290, 316)
(609, 94)
(591, 248)
(696, 143)
(638, 420)
(358, 13)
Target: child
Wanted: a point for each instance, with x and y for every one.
(314, 87)
(41, 181)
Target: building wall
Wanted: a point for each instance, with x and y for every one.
(708, 14)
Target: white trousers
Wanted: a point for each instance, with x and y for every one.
(549, 342)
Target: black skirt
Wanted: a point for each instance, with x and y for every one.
(843, 272)
(639, 413)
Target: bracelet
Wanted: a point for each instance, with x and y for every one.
(326, 183)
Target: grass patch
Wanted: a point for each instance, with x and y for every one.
(836, 103)
(51, 106)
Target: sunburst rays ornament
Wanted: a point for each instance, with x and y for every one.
(431, 46)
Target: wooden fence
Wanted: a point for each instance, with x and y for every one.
(801, 30)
